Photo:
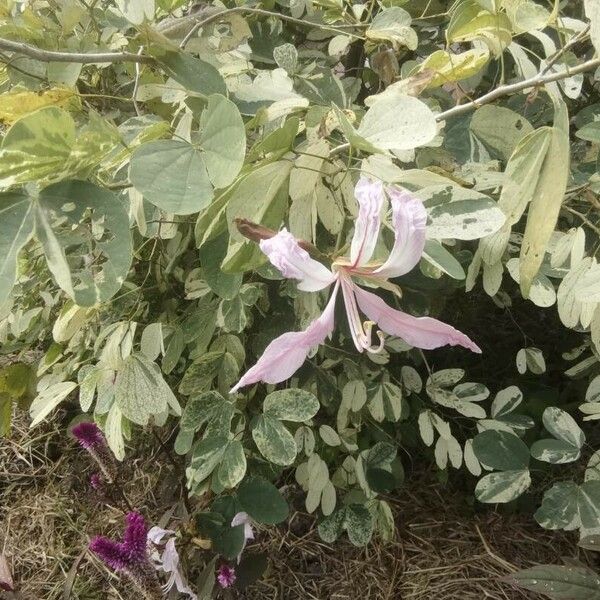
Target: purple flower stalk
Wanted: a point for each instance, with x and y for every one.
(130, 556)
(92, 440)
(96, 482)
(226, 576)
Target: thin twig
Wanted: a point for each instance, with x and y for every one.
(136, 84)
(504, 90)
(559, 53)
(263, 13)
(75, 57)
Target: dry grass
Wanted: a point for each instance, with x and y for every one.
(443, 550)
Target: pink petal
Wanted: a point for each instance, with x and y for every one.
(285, 354)
(294, 262)
(409, 218)
(156, 534)
(420, 332)
(366, 229)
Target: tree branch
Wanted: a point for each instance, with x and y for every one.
(263, 13)
(75, 57)
(504, 90)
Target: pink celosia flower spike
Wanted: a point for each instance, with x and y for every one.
(130, 556)
(226, 576)
(285, 354)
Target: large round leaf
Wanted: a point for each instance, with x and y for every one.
(222, 140)
(262, 501)
(171, 174)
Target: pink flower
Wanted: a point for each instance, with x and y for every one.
(286, 354)
(226, 576)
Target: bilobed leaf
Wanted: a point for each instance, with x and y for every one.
(436, 255)
(172, 175)
(569, 438)
(81, 216)
(141, 391)
(16, 229)
(506, 401)
(291, 404)
(222, 140)
(398, 123)
(559, 583)
(547, 198)
(274, 441)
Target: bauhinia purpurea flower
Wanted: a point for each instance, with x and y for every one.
(286, 354)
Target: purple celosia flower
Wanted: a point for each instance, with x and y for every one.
(285, 355)
(91, 438)
(130, 556)
(226, 576)
(89, 435)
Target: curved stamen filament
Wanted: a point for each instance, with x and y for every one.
(361, 331)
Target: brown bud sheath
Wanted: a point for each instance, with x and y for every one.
(256, 232)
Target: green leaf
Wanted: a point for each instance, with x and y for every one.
(114, 432)
(459, 213)
(261, 197)
(93, 224)
(37, 147)
(206, 455)
(196, 76)
(291, 405)
(201, 409)
(398, 123)
(229, 542)
(569, 506)
(547, 199)
(520, 182)
(172, 175)
(141, 391)
(435, 254)
(262, 501)
(222, 140)
(499, 128)
(16, 229)
(503, 486)
(393, 25)
(446, 67)
(274, 441)
(48, 399)
(566, 448)
(358, 523)
(559, 583)
(233, 465)
(501, 450)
